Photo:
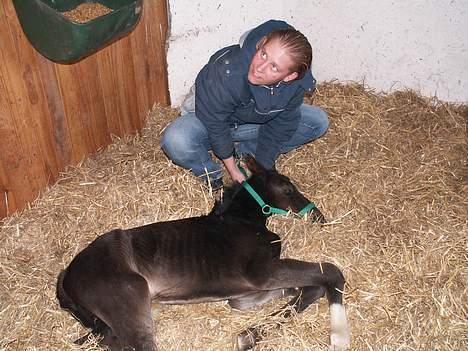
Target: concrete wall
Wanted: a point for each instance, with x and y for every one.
(388, 44)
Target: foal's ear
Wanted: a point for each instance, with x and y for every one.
(253, 165)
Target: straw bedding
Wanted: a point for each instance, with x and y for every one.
(390, 175)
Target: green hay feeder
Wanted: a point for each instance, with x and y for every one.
(63, 40)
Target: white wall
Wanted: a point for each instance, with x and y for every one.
(388, 44)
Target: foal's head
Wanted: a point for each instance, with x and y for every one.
(270, 192)
(276, 189)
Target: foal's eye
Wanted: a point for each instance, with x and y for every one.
(288, 191)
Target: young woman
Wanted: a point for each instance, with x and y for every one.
(247, 99)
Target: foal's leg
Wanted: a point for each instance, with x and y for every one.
(86, 317)
(316, 279)
(258, 298)
(98, 330)
(127, 311)
(303, 297)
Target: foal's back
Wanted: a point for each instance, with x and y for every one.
(208, 255)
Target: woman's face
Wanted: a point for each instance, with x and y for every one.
(271, 64)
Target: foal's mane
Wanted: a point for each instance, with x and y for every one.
(229, 194)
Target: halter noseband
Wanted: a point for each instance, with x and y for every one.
(267, 209)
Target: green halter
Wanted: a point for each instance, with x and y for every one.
(267, 209)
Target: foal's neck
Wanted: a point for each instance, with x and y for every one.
(242, 205)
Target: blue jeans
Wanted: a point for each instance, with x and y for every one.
(186, 142)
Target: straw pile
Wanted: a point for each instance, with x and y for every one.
(390, 175)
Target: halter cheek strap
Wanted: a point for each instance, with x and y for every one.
(267, 209)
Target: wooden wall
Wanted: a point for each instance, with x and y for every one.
(54, 115)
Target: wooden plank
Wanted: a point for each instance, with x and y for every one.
(27, 168)
(141, 67)
(58, 126)
(43, 127)
(75, 112)
(109, 84)
(94, 120)
(40, 137)
(142, 64)
(32, 80)
(127, 88)
(157, 24)
(9, 171)
(148, 53)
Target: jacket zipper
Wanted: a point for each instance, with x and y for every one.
(272, 92)
(269, 88)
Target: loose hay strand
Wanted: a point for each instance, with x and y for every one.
(390, 175)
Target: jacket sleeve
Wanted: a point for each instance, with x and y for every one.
(213, 107)
(278, 131)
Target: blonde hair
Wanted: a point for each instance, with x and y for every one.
(297, 46)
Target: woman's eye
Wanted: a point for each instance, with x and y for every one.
(274, 68)
(263, 55)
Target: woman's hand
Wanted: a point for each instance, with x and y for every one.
(234, 172)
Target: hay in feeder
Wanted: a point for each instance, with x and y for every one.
(390, 175)
(86, 12)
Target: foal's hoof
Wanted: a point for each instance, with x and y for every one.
(339, 341)
(247, 339)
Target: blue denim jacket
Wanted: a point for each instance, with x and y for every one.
(224, 97)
